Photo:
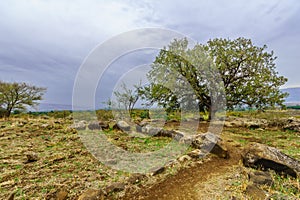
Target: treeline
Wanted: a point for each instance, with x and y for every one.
(297, 107)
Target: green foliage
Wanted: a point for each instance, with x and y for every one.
(160, 94)
(107, 115)
(140, 113)
(246, 72)
(179, 77)
(17, 96)
(235, 113)
(145, 114)
(104, 115)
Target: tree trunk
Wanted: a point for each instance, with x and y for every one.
(8, 112)
(212, 113)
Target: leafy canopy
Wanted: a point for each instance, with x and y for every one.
(235, 70)
(16, 96)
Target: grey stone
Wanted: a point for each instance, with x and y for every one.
(184, 158)
(255, 193)
(157, 170)
(32, 157)
(136, 178)
(79, 125)
(92, 194)
(61, 195)
(115, 187)
(261, 178)
(123, 125)
(195, 153)
(94, 125)
(263, 157)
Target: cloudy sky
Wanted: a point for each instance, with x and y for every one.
(44, 42)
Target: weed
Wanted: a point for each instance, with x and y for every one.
(286, 185)
(18, 167)
(19, 192)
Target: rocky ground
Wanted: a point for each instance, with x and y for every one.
(43, 158)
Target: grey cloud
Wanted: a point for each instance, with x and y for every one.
(45, 42)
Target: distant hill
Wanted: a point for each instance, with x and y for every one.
(46, 107)
(292, 99)
(52, 107)
(294, 96)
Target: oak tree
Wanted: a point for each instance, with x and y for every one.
(236, 70)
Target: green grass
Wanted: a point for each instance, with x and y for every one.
(286, 186)
(137, 144)
(268, 114)
(286, 141)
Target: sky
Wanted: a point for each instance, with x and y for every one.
(44, 42)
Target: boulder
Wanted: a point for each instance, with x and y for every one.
(253, 125)
(103, 125)
(237, 123)
(79, 125)
(220, 150)
(157, 170)
(143, 123)
(261, 178)
(255, 192)
(263, 157)
(292, 124)
(150, 130)
(92, 194)
(195, 153)
(188, 139)
(44, 126)
(165, 133)
(136, 178)
(209, 142)
(171, 163)
(61, 195)
(139, 128)
(184, 158)
(94, 125)
(31, 157)
(228, 124)
(115, 187)
(177, 135)
(123, 125)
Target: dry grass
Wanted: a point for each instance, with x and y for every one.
(65, 164)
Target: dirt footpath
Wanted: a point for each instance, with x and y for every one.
(193, 183)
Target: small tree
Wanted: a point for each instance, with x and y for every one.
(19, 95)
(127, 98)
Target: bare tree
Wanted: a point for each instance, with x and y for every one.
(127, 98)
